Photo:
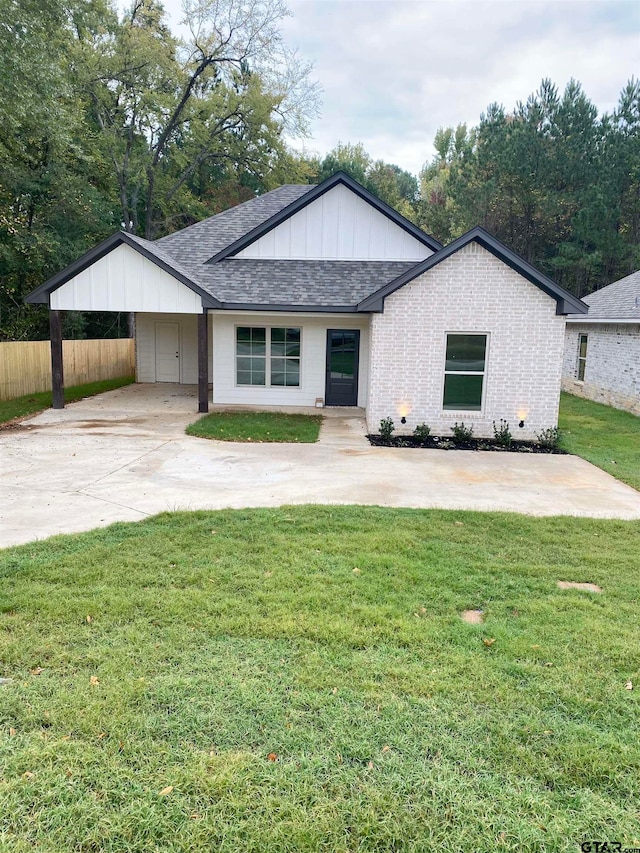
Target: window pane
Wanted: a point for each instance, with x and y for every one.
(583, 346)
(258, 347)
(244, 377)
(466, 352)
(292, 376)
(277, 377)
(277, 364)
(293, 348)
(243, 364)
(258, 374)
(259, 335)
(278, 335)
(243, 348)
(277, 349)
(463, 392)
(243, 333)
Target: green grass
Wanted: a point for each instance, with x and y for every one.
(219, 638)
(32, 403)
(257, 426)
(607, 437)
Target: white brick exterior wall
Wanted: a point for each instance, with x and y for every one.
(471, 291)
(612, 367)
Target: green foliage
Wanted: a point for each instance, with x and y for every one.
(218, 639)
(549, 437)
(389, 182)
(113, 123)
(462, 433)
(422, 432)
(606, 437)
(387, 428)
(553, 180)
(257, 427)
(502, 433)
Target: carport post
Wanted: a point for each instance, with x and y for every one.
(57, 373)
(203, 361)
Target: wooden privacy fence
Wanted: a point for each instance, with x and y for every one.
(25, 366)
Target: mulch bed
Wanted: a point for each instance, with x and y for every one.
(437, 442)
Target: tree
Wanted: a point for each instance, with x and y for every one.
(225, 95)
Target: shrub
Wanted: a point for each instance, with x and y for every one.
(502, 433)
(462, 433)
(549, 438)
(422, 432)
(387, 427)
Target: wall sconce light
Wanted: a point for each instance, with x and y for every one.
(522, 414)
(521, 424)
(403, 420)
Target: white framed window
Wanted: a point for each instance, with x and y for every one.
(582, 356)
(464, 372)
(268, 356)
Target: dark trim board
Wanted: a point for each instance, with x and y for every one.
(315, 193)
(565, 302)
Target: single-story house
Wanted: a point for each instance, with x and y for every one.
(326, 296)
(602, 350)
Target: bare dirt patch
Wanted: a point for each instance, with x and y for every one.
(472, 617)
(587, 587)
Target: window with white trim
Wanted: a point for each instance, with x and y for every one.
(268, 356)
(464, 372)
(582, 356)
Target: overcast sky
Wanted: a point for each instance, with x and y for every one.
(393, 71)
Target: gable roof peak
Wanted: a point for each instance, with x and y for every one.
(314, 193)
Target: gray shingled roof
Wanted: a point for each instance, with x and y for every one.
(299, 282)
(617, 301)
(193, 246)
(268, 282)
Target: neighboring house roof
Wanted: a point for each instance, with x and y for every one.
(201, 256)
(616, 302)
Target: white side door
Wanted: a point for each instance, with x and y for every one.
(167, 352)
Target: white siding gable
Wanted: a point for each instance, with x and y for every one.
(124, 280)
(338, 225)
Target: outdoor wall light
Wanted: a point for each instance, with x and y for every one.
(403, 420)
(521, 424)
(522, 414)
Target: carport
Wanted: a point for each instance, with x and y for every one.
(127, 274)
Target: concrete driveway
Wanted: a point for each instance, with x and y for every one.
(123, 455)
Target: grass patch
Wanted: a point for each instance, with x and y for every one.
(228, 681)
(257, 426)
(32, 403)
(607, 437)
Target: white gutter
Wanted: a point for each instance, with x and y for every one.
(623, 321)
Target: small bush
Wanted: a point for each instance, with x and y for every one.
(422, 432)
(462, 433)
(387, 427)
(502, 433)
(549, 438)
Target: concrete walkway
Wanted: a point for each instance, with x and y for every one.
(123, 456)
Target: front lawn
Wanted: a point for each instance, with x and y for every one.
(607, 437)
(257, 426)
(300, 680)
(32, 403)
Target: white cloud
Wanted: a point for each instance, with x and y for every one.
(393, 71)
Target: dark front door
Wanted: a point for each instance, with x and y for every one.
(343, 350)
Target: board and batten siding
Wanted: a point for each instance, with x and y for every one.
(312, 359)
(470, 292)
(188, 334)
(338, 225)
(124, 280)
